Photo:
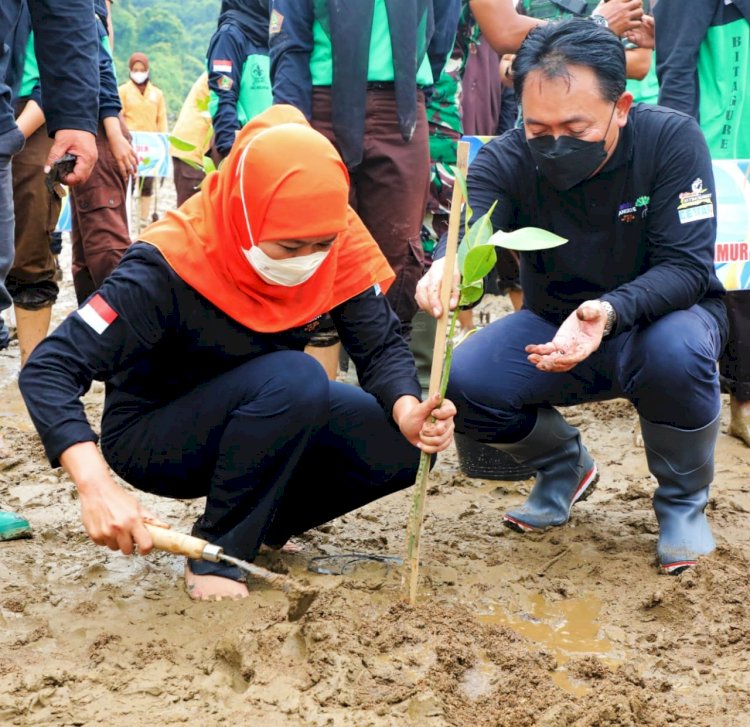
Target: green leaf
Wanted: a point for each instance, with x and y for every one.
(478, 234)
(527, 239)
(181, 144)
(478, 262)
(470, 293)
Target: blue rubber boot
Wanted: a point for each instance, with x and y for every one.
(13, 526)
(565, 472)
(682, 460)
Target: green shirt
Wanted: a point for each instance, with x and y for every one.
(30, 70)
(380, 66)
(723, 63)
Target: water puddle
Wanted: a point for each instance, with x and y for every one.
(568, 628)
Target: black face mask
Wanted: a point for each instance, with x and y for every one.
(566, 161)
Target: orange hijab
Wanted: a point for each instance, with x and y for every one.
(282, 180)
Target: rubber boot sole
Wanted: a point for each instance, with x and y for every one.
(585, 488)
(674, 569)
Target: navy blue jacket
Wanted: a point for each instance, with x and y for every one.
(242, 31)
(69, 69)
(18, 42)
(640, 233)
(167, 339)
(291, 44)
(109, 97)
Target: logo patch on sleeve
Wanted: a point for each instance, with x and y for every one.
(277, 20)
(98, 314)
(221, 66)
(225, 83)
(697, 204)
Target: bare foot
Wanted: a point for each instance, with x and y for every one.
(213, 588)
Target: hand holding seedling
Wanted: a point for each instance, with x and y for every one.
(427, 424)
(577, 338)
(475, 258)
(428, 289)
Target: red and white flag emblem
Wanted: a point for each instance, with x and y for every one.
(98, 314)
(221, 66)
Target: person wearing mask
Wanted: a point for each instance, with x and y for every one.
(630, 307)
(100, 233)
(703, 66)
(238, 69)
(143, 109)
(66, 52)
(235, 281)
(359, 72)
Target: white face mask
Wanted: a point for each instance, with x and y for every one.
(289, 272)
(139, 76)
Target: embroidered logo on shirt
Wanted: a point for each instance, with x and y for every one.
(275, 23)
(629, 211)
(98, 314)
(696, 204)
(221, 66)
(225, 83)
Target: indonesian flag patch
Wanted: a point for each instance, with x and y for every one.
(221, 66)
(98, 314)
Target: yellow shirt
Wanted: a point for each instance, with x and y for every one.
(193, 125)
(143, 111)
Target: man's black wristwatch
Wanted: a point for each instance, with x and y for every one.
(611, 317)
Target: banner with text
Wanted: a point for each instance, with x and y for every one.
(152, 150)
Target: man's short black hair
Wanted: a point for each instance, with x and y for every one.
(553, 47)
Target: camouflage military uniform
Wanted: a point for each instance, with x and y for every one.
(549, 10)
(444, 118)
(644, 91)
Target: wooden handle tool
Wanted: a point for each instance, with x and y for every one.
(188, 545)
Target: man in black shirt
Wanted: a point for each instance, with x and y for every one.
(629, 307)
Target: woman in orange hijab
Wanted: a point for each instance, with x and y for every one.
(199, 335)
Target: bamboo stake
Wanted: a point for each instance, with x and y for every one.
(438, 358)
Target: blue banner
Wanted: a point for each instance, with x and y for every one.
(152, 150)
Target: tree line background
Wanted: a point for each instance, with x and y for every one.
(174, 34)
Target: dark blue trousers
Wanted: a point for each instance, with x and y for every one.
(273, 445)
(666, 369)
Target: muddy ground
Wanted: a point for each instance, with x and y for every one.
(574, 627)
